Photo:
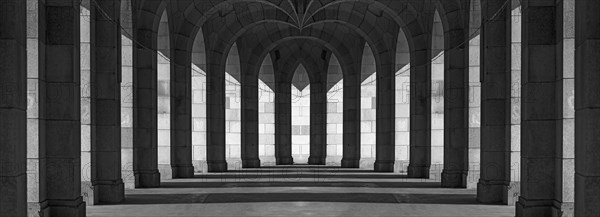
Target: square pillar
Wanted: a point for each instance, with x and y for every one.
(181, 110)
(106, 179)
(145, 147)
(250, 126)
(318, 121)
(351, 149)
(283, 121)
(215, 113)
(13, 107)
(587, 105)
(62, 108)
(386, 117)
(420, 111)
(495, 184)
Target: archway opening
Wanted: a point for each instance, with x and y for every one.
(199, 104)
(335, 112)
(437, 96)
(300, 116)
(368, 109)
(233, 110)
(266, 113)
(402, 112)
(163, 97)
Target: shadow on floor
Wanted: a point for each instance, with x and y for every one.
(136, 199)
(200, 184)
(297, 175)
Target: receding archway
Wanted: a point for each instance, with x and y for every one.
(300, 116)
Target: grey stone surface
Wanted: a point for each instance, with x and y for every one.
(13, 110)
(99, 116)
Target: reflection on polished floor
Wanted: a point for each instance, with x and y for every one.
(300, 191)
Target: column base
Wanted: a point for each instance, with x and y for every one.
(285, 161)
(66, 208)
(490, 192)
(109, 192)
(418, 171)
(534, 208)
(316, 160)
(347, 163)
(384, 166)
(182, 171)
(454, 178)
(217, 167)
(254, 163)
(147, 179)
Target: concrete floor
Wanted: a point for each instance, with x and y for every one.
(300, 191)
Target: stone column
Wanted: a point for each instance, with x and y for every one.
(181, 111)
(215, 113)
(351, 149)
(106, 103)
(494, 184)
(587, 116)
(283, 119)
(456, 107)
(386, 117)
(540, 130)
(420, 109)
(13, 106)
(62, 108)
(318, 119)
(249, 120)
(145, 149)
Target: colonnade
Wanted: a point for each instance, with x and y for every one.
(41, 115)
